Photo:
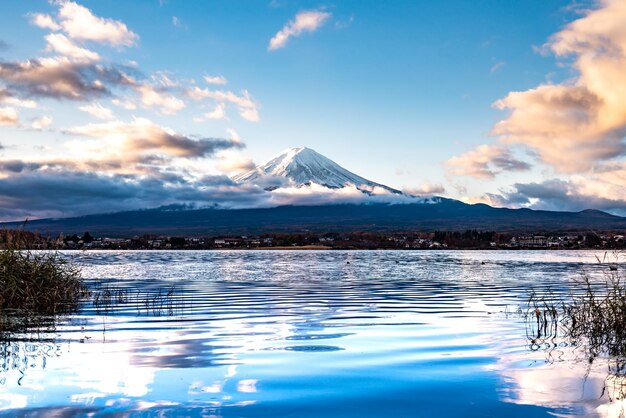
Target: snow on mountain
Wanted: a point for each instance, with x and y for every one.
(303, 166)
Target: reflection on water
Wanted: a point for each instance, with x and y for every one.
(308, 334)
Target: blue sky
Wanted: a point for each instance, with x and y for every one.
(391, 90)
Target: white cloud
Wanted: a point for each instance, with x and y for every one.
(217, 113)
(44, 21)
(97, 110)
(14, 101)
(247, 107)
(165, 79)
(308, 21)
(81, 24)
(233, 134)
(60, 43)
(218, 79)
(167, 103)
(425, 189)
(233, 162)
(41, 123)
(126, 104)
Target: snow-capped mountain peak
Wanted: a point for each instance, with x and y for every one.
(303, 166)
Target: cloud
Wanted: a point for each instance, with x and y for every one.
(342, 24)
(133, 140)
(319, 195)
(233, 134)
(232, 162)
(8, 116)
(555, 194)
(217, 113)
(41, 123)
(44, 21)
(425, 189)
(308, 21)
(45, 189)
(126, 104)
(97, 110)
(485, 161)
(166, 102)
(246, 106)
(603, 188)
(495, 67)
(6, 98)
(578, 123)
(218, 79)
(40, 193)
(114, 165)
(61, 78)
(81, 24)
(60, 43)
(165, 79)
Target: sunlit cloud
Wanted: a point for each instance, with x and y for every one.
(125, 104)
(7, 99)
(308, 21)
(233, 162)
(134, 139)
(97, 110)
(217, 113)
(81, 24)
(41, 123)
(44, 21)
(248, 109)
(60, 43)
(575, 124)
(166, 102)
(485, 161)
(8, 116)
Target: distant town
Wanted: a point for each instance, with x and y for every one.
(470, 239)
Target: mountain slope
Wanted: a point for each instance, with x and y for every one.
(304, 166)
(446, 215)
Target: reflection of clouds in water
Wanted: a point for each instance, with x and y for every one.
(12, 400)
(247, 386)
(198, 387)
(570, 383)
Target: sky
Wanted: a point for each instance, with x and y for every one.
(113, 105)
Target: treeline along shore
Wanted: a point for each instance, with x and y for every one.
(469, 239)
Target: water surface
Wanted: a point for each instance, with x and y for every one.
(308, 334)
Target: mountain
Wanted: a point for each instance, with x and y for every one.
(448, 214)
(301, 167)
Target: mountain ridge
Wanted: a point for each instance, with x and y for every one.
(449, 214)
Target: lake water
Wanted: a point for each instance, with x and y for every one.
(309, 334)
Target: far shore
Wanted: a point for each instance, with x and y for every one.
(292, 247)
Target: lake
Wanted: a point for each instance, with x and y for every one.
(309, 334)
